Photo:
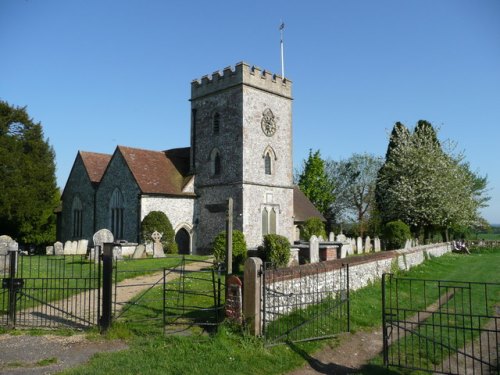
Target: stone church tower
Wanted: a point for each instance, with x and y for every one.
(241, 147)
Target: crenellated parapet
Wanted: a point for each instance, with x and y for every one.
(244, 74)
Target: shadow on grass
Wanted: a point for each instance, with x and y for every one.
(333, 368)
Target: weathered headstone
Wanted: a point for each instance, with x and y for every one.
(81, 248)
(294, 257)
(341, 237)
(331, 237)
(6, 244)
(157, 245)
(149, 248)
(345, 249)
(377, 246)
(359, 245)
(49, 250)
(58, 248)
(117, 253)
(320, 239)
(368, 244)
(313, 249)
(407, 244)
(140, 252)
(100, 237)
(68, 248)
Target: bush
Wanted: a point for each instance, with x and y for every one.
(158, 221)
(276, 250)
(239, 248)
(395, 234)
(312, 226)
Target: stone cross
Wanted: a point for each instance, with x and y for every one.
(157, 245)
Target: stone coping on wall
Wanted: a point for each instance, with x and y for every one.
(295, 272)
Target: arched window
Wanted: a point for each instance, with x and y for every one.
(215, 161)
(269, 155)
(272, 221)
(265, 221)
(267, 163)
(77, 213)
(117, 208)
(216, 123)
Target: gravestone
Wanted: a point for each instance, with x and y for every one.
(49, 250)
(100, 237)
(294, 257)
(58, 248)
(68, 248)
(81, 248)
(6, 244)
(341, 237)
(140, 252)
(359, 245)
(157, 245)
(377, 246)
(117, 253)
(331, 237)
(320, 239)
(408, 244)
(313, 249)
(345, 250)
(368, 244)
(149, 248)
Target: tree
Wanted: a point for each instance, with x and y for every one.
(157, 221)
(355, 181)
(315, 184)
(312, 226)
(28, 189)
(425, 186)
(239, 248)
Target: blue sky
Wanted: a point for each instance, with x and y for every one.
(101, 73)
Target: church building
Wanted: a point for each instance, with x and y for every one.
(241, 147)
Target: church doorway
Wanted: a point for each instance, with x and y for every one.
(183, 240)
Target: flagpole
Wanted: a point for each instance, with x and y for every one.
(282, 27)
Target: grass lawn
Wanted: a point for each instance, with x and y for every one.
(231, 352)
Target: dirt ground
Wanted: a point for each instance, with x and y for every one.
(49, 354)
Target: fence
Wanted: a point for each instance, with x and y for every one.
(441, 326)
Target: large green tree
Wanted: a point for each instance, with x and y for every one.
(28, 190)
(315, 183)
(354, 180)
(426, 186)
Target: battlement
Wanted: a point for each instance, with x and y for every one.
(244, 74)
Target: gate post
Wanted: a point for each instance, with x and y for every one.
(107, 286)
(12, 287)
(385, 343)
(252, 295)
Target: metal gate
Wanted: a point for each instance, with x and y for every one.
(304, 303)
(170, 294)
(49, 292)
(441, 326)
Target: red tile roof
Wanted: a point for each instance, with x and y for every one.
(159, 172)
(303, 209)
(95, 164)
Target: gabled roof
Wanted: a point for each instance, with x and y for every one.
(303, 209)
(158, 172)
(95, 164)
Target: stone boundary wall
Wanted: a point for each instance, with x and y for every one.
(308, 278)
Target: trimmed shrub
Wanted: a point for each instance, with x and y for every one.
(158, 221)
(239, 248)
(312, 226)
(276, 250)
(395, 234)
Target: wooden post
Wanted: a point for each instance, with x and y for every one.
(229, 236)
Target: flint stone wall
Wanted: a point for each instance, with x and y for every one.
(326, 276)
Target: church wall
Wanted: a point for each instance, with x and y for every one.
(119, 176)
(78, 184)
(207, 223)
(179, 210)
(256, 198)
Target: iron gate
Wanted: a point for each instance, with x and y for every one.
(304, 303)
(441, 326)
(170, 294)
(49, 292)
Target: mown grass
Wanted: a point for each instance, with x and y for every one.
(230, 351)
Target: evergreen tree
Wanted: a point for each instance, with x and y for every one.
(28, 190)
(315, 184)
